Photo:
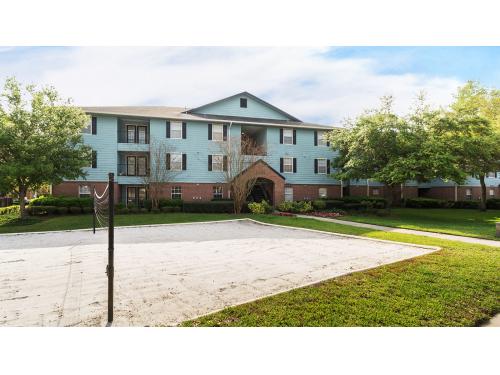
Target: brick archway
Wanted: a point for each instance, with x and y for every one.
(264, 171)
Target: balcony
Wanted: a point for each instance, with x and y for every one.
(133, 131)
(133, 170)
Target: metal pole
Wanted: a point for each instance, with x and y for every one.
(111, 247)
(93, 208)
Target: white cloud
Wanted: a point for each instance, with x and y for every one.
(302, 81)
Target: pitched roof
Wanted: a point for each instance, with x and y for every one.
(260, 161)
(246, 93)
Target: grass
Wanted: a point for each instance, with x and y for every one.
(462, 222)
(12, 224)
(456, 286)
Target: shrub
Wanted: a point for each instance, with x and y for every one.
(155, 210)
(148, 204)
(61, 201)
(260, 208)
(88, 210)
(296, 207)
(169, 209)
(376, 202)
(133, 210)
(493, 203)
(39, 210)
(119, 205)
(75, 210)
(170, 203)
(425, 203)
(334, 203)
(319, 204)
(464, 204)
(209, 207)
(143, 210)
(9, 210)
(122, 211)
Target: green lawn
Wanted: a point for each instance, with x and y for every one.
(11, 223)
(472, 223)
(456, 286)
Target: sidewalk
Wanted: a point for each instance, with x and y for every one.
(451, 237)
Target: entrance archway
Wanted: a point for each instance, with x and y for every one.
(262, 190)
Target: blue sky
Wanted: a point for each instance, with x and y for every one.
(324, 85)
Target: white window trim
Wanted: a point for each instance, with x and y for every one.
(326, 166)
(172, 192)
(172, 123)
(285, 137)
(492, 191)
(80, 193)
(217, 126)
(322, 142)
(285, 164)
(289, 194)
(323, 195)
(177, 155)
(221, 192)
(221, 162)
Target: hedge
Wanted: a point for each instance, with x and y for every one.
(209, 207)
(425, 203)
(9, 210)
(61, 202)
(493, 204)
(463, 204)
(170, 203)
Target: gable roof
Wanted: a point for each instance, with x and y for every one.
(260, 161)
(246, 93)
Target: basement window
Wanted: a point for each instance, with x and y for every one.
(84, 191)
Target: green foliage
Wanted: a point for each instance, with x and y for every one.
(464, 204)
(425, 203)
(40, 139)
(296, 207)
(169, 209)
(9, 210)
(209, 207)
(260, 208)
(61, 201)
(170, 203)
(122, 211)
(493, 203)
(319, 204)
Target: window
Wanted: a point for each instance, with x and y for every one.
(491, 174)
(130, 134)
(288, 194)
(322, 166)
(217, 191)
(88, 127)
(492, 192)
(176, 192)
(94, 159)
(217, 132)
(321, 139)
(131, 196)
(375, 192)
(84, 191)
(130, 165)
(142, 166)
(141, 134)
(288, 136)
(217, 162)
(243, 102)
(288, 165)
(468, 194)
(94, 125)
(142, 196)
(176, 162)
(176, 130)
(322, 192)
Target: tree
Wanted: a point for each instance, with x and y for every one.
(390, 149)
(471, 131)
(40, 139)
(239, 155)
(159, 173)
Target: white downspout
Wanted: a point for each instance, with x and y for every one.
(367, 187)
(230, 161)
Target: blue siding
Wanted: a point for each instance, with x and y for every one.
(231, 107)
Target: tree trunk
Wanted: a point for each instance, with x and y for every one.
(22, 204)
(389, 195)
(482, 204)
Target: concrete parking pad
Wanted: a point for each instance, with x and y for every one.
(166, 274)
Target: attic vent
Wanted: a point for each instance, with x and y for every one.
(243, 102)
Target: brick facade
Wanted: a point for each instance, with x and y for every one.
(448, 192)
(70, 188)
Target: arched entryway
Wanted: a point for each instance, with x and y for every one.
(262, 190)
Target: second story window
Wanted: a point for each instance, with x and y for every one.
(217, 132)
(176, 162)
(288, 165)
(321, 139)
(491, 175)
(322, 166)
(176, 130)
(288, 136)
(217, 162)
(137, 134)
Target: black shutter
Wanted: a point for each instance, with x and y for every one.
(94, 125)
(328, 166)
(327, 144)
(224, 163)
(183, 130)
(209, 132)
(281, 165)
(315, 165)
(315, 137)
(209, 162)
(184, 162)
(94, 159)
(168, 129)
(281, 136)
(294, 165)
(294, 136)
(224, 132)
(168, 162)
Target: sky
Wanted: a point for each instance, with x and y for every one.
(321, 85)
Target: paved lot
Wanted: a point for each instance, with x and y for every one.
(169, 273)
